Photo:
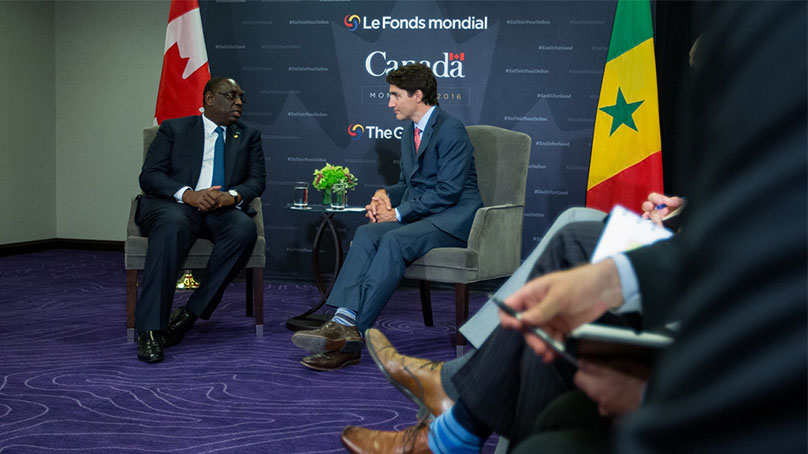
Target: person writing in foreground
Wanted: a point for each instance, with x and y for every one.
(582, 295)
(614, 392)
(734, 379)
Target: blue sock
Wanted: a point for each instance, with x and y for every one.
(345, 317)
(446, 436)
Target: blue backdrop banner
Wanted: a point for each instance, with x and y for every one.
(314, 77)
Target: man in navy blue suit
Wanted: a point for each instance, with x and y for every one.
(198, 179)
(432, 205)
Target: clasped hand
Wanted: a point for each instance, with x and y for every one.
(207, 199)
(379, 209)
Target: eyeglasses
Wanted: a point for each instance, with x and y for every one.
(231, 96)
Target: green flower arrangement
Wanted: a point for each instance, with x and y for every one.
(328, 175)
(325, 178)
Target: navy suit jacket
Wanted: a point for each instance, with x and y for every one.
(440, 183)
(175, 156)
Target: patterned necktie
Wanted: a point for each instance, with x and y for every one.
(417, 136)
(218, 159)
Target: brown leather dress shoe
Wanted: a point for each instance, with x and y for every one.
(412, 440)
(330, 360)
(418, 379)
(330, 337)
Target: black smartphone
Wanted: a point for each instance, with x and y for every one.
(554, 343)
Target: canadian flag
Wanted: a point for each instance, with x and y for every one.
(185, 63)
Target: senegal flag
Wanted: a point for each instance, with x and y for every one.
(626, 160)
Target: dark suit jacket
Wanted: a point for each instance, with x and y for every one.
(735, 380)
(657, 270)
(174, 160)
(440, 184)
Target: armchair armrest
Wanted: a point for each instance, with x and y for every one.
(496, 234)
(132, 228)
(259, 216)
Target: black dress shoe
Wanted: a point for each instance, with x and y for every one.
(150, 346)
(180, 323)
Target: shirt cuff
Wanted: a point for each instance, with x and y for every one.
(632, 300)
(178, 194)
(398, 215)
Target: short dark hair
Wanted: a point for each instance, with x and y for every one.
(413, 77)
(212, 85)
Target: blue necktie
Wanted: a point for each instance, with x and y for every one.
(218, 159)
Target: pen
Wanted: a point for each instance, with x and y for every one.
(661, 206)
(540, 333)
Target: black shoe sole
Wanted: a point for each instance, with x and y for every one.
(151, 360)
(168, 341)
(326, 369)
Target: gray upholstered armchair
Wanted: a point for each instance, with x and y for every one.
(495, 242)
(135, 259)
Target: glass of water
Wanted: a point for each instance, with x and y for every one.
(338, 193)
(301, 194)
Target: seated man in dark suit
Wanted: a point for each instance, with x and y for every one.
(198, 178)
(432, 205)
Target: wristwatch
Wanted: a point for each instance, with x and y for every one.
(235, 196)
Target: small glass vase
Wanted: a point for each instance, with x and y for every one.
(327, 196)
(338, 191)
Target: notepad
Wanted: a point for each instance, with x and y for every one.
(625, 231)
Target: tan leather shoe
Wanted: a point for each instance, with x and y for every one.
(412, 440)
(330, 360)
(330, 337)
(418, 379)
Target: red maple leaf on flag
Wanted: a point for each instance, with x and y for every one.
(185, 63)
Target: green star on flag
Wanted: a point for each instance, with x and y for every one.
(624, 168)
(621, 112)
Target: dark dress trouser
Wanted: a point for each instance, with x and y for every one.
(376, 261)
(172, 229)
(570, 424)
(504, 384)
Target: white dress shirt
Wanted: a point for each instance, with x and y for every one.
(206, 174)
(421, 125)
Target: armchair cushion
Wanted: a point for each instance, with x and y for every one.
(446, 264)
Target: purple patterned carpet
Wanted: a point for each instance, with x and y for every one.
(69, 381)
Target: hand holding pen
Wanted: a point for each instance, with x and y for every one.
(659, 205)
(560, 302)
(555, 344)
